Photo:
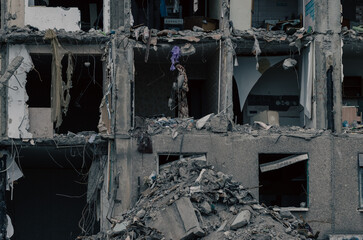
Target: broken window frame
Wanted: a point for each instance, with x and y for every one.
(360, 180)
(301, 157)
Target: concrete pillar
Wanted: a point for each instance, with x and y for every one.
(123, 58)
(226, 94)
(120, 11)
(328, 53)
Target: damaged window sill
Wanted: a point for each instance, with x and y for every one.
(291, 209)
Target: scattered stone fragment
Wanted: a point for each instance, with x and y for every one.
(242, 219)
(141, 213)
(205, 208)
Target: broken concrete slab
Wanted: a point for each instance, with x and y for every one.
(242, 219)
(187, 214)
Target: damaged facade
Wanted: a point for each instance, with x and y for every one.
(98, 98)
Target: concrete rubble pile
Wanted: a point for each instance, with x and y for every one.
(190, 200)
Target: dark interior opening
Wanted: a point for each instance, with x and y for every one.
(277, 15)
(154, 14)
(154, 83)
(48, 201)
(39, 81)
(237, 113)
(86, 92)
(284, 187)
(352, 13)
(91, 11)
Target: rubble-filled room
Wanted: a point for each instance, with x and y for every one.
(270, 94)
(284, 180)
(163, 88)
(91, 10)
(352, 88)
(284, 15)
(82, 77)
(47, 197)
(176, 14)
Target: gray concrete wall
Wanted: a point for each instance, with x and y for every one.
(331, 209)
(345, 192)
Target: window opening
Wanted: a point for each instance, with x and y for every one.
(284, 180)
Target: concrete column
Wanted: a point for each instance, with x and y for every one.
(123, 57)
(328, 53)
(226, 94)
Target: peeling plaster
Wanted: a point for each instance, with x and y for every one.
(18, 115)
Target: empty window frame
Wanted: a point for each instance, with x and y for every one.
(360, 175)
(284, 180)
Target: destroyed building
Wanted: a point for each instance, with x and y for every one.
(97, 96)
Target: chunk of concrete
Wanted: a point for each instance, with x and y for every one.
(190, 220)
(242, 219)
(219, 124)
(119, 228)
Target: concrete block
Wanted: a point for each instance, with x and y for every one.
(219, 124)
(187, 214)
(41, 125)
(242, 219)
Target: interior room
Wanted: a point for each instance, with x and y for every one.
(352, 89)
(277, 14)
(85, 94)
(154, 82)
(176, 14)
(270, 94)
(48, 202)
(352, 14)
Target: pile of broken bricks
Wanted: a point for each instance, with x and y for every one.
(190, 200)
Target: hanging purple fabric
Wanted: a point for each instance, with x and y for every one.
(174, 57)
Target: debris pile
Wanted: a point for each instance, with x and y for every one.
(220, 124)
(190, 200)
